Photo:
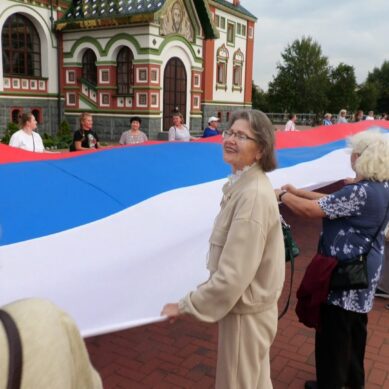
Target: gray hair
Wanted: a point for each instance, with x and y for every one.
(373, 150)
(263, 131)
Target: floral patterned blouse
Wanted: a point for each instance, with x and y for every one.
(354, 214)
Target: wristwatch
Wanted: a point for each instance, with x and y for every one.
(281, 194)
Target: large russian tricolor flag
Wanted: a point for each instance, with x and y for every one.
(112, 235)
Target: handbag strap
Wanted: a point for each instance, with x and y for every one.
(380, 227)
(15, 350)
(290, 288)
(291, 260)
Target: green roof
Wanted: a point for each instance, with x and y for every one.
(236, 8)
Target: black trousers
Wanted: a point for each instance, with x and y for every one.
(340, 348)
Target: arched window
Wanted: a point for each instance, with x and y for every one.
(89, 69)
(15, 115)
(37, 115)
(237, 69)
(221, 67)
(21, 47)
(125, 71)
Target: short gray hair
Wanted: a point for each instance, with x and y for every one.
(373, 150)
(263, 130)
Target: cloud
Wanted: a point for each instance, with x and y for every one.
(351, 31)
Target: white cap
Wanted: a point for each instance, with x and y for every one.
(213, 119)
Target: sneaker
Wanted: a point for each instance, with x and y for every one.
(381, 293)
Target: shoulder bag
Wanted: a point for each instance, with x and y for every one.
(15, 350)
(352, 273)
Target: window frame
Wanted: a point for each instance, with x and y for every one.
(222, 22)
(231, 27)
(222, 56)
(89, 67)
(125, 72)
(142, 75)
(25, 60)
(237, 70)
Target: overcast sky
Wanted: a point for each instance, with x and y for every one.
(355, 32)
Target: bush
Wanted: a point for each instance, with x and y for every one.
(11, 128)
(62, 140)
(48, 141)
(64, 136)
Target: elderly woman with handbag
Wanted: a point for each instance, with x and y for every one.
(354, 218)
(246, 259)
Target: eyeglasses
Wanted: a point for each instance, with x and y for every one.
(238, 136)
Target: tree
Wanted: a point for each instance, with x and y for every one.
(302, 81)
(259, 98)
(380, 78)
(343, 89)
(368, 95)
(11, 129)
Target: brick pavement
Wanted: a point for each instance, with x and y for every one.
(183, 354)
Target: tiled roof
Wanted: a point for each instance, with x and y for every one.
(109, 11)
(95, 9)
(83, 10)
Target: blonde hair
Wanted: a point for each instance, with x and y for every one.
(373, 150)
(83, 116)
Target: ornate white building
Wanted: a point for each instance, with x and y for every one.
(118, 58)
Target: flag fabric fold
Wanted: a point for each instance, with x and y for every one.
(112, 235)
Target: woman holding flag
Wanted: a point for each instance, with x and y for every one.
(246, 259)
(354, 218)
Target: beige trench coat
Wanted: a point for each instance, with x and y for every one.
(247, 269)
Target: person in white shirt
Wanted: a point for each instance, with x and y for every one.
(26, 138)
(290, 124)
(179, 131)
(370, 116)
(342, 116)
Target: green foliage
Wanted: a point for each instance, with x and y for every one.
(11, 128)
(343, 89)
(302, 81)
(380, 79)
(64, 135)
(368, 95)
(60, 141)
(259, 98)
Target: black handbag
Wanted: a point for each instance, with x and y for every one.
(352, 273)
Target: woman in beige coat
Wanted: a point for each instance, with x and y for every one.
(54, 355)
(246, 259)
